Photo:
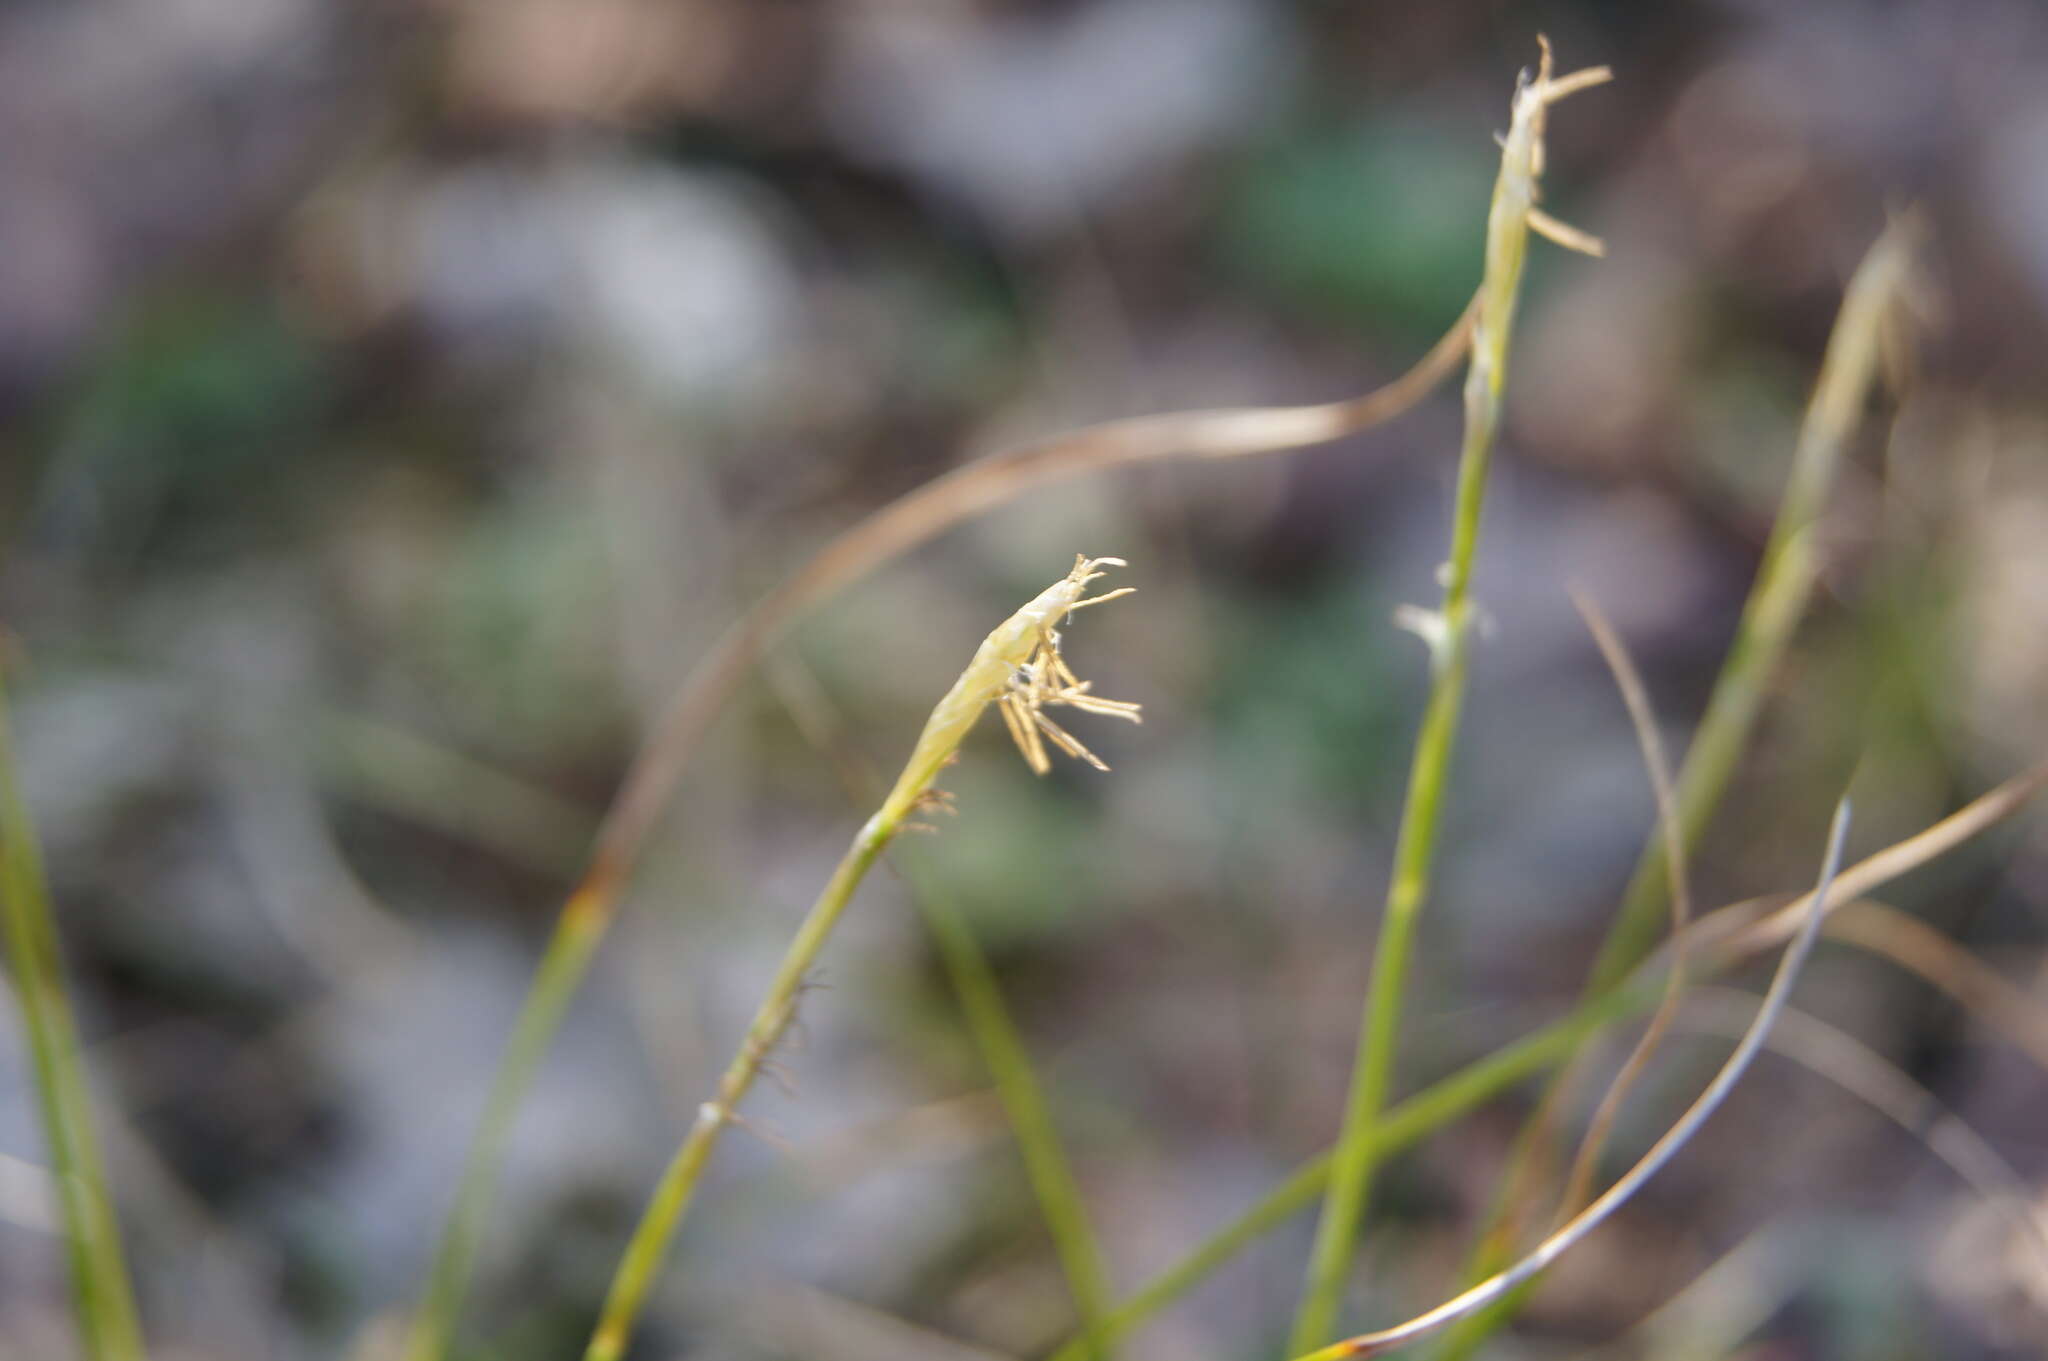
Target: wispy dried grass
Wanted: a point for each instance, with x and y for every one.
(1574, 1230)
(1636, 698)
(1718, 941)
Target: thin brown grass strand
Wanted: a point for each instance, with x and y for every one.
(1866, 876)
(924, 513)
(1710, 940)
(1696, 1115)
(1521, 1195)
(1767, 1258)
(1635, 697)
(1926, 953)
(1875, 1080)
(1906, 941)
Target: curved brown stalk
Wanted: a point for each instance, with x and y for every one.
(910, 520)
(1574, 1230)
(1856, 1068)
(1872, 873)
(922, 514)
(1730, 1299)
(1921, 950)
(1635, 696)
(1717, 941)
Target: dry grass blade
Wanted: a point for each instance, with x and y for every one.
(1565, 1238)
(1658, 765)
(103, 1299)
(1867, 876)
(1458, 1094)
(1921, 950)
(1520, 1195)
(1869, 1076)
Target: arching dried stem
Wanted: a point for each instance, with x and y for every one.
(1637, 700)
(1674, 1139)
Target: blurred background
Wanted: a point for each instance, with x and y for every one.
(395, 398)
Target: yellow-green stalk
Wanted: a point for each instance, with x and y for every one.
(1448, 631)
(104, 1304)
(1019, 667)
(1046, 1166)
(996, 1036)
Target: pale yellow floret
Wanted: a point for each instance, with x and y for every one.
(1019, 668)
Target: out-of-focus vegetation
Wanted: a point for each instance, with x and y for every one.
(398, 399)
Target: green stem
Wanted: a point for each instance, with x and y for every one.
(678, 1184)
(562, 968)
(1785, 582)
(1000, 1043)
(1038, 1142)
(103, 1299)
(1357, 1154)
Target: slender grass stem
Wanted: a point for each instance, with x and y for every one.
(1785, 582)
(1449, 633)
(1636, 699)
(562, 966)
(1038, 1142)
(1019, 667)
(996, 1037)
(102, 1298)
(678, 1184)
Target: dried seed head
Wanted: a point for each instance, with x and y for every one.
(1020, 669)
(1046, 681)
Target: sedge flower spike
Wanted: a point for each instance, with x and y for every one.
(1020, 669)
